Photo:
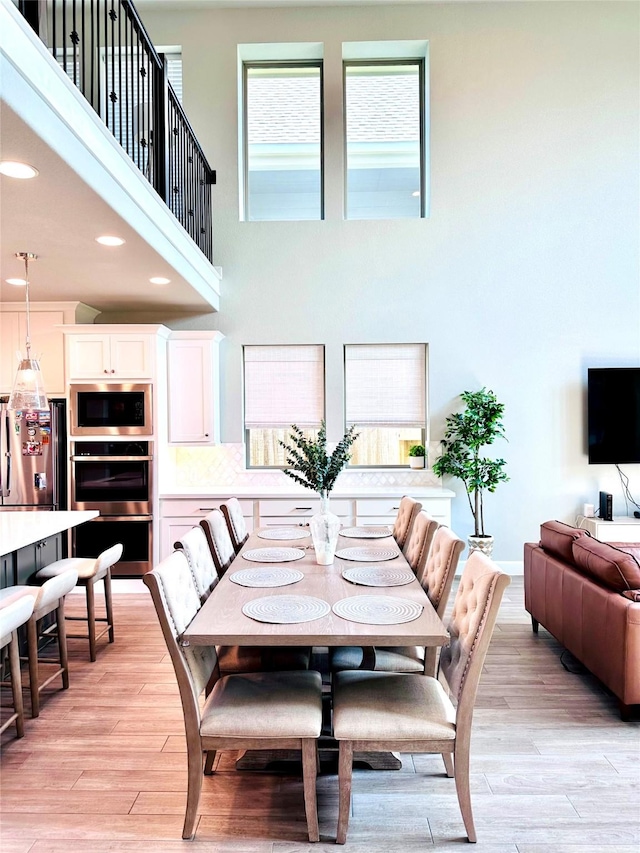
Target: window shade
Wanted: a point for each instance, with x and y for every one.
(283, 385)
(385, 385)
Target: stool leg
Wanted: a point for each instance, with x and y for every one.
(91, 619)
(34, 680)
(108, 604)
(16, 683)
(62, 645)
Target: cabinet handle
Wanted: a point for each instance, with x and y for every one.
(105, 370)
(206, 508)
(302, 508)
(112, 370)
(206, 435)
(395, 507)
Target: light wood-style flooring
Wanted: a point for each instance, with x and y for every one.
(103, 769)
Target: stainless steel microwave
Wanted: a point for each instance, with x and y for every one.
(110, 409)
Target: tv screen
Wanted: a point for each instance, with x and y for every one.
(614, 415)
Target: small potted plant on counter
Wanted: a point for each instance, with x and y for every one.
(466, 434)
(416, 456)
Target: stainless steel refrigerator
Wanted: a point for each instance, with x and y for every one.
(33, 468)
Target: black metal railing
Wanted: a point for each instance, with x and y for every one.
(103, 47)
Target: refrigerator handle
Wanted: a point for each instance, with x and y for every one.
(5, 469)
(55, 438)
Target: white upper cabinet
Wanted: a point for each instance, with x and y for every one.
(194, 387)
(109, 355)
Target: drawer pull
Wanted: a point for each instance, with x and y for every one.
(302, 508)
(395, 507)
(206, 508)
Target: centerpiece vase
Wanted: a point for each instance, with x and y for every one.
(325, 527)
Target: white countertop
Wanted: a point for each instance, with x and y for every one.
(264, 492)
(18, 529)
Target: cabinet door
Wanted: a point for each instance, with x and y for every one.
(131, 357)
(173, 529)
(89, 357)
(191, 407)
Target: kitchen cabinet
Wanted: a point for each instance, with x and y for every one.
(178, 516)
(385, 510)
(194, 387)
(32, 558)
(110, 356)
(622, 529)
(285, 511)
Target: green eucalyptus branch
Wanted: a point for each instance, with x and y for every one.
(307, 460)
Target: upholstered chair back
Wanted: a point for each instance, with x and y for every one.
(220, 544)
(475, 610)
(196, 549)
(440, 567)
(108, 558)
(52, 590)
(177, 601)
(416, 549)
(407, 512)
(15, 613)
(232, 512)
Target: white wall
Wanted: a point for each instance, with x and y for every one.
(526, 272)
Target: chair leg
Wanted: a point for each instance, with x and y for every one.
(108, 604)
(210, 757)
(345, 773)
(194, 787)
(534, 625)
(447, 757)
(62, 645)
(462, 789)
(91, 619)
(34, 678)
(309, 771)
(16, 684)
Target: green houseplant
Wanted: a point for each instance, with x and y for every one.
(466, 434)
(416, 456)
(311, 466)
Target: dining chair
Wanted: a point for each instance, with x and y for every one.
(13, 615)
(219, 539)
(407, 512)
(260, 710)
(200, 559)
(90, 570)
(381, 711)
(232, 512)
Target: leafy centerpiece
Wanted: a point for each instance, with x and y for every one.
(309, 464)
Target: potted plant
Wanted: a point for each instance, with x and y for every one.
(416, 456)
(312, 467)
(466, 434)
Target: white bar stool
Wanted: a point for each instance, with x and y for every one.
(90, 570)
(13, 615)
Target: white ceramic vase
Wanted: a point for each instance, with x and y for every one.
(324, 527)
(481, 543)
(416, 461)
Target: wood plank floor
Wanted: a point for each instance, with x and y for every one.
(103, 768)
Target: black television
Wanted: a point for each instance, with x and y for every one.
(613, 405)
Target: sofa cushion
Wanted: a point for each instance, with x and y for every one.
(610, 566)
(557, 538)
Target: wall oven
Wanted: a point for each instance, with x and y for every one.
(110, 409)
(116, 478)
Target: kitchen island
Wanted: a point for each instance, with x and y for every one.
(31, 540)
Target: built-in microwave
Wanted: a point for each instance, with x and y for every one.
(110, 409)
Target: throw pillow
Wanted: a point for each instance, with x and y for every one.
(557, 538)
(610, 566)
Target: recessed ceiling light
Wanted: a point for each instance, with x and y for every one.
(416, 194)
(18, 281)
(14, 169)
(106, 240)
(158, 279)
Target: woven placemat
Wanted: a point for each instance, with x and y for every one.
(286, 609)
(378, 575)
(367, 555)
(366, 532)
(377, 609)
(275, 576)
(284, 533)
(273, 555)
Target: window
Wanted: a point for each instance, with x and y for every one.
(283, 385)
(385, 397)
(283, 140)
(384, 132)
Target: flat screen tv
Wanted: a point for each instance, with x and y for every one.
(614, 415)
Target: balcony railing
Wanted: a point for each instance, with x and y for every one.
(103, 47)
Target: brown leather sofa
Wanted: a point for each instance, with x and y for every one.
(587, 594)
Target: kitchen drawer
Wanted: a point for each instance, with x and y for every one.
(437, 507)
(301, 508)
(199, 507)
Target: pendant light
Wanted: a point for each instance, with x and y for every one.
(28, 394)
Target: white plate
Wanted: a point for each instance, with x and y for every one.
(368, 555)
(275, 576)
(273, 555)
(378, 575)
(284, 533)
(366, 532)
(377, 609)
(286, 609)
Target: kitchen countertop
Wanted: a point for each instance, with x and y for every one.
(264, 492)
(18, 529)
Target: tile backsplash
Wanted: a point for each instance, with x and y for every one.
(224, 465)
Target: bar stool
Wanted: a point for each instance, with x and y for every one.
(90, 570)
(12, 615)
(49, 598)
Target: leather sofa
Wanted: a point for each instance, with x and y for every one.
(587, 594)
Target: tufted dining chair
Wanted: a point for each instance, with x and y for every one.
(407, 512)
(15, 613)
(381, 711)
(260, 710)
(219, 539)
(238, 532)
(200, 559)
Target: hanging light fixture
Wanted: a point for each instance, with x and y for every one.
(28, 394)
